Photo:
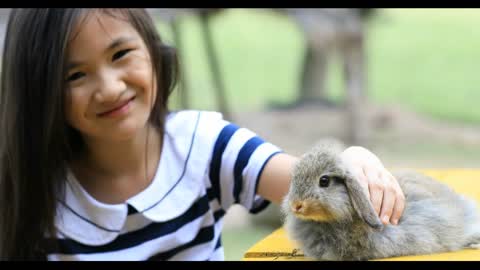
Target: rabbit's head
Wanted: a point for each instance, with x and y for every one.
(323, 190)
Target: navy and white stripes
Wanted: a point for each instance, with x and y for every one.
(225, 160)
(218, 150)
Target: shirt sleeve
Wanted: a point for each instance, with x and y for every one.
(237, 161)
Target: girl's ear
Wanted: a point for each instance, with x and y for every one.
(361, 203)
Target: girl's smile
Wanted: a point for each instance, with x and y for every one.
(122, 108)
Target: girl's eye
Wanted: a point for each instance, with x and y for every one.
(75, 76)
(324, 181)
(120, 54)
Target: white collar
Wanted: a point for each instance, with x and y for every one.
(173, 190)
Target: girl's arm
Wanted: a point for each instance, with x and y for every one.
(275, 178)
(379, 184)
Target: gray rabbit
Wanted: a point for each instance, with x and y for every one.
(329, 216)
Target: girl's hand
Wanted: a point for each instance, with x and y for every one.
(379, 184)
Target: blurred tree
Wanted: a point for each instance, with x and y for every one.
(326, 30)
(173, 16)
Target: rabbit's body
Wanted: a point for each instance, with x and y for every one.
(435, 219)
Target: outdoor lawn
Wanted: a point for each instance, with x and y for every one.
(423, 58)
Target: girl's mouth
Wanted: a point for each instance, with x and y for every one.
(118, 110)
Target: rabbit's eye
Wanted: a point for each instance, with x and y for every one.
(324, 181)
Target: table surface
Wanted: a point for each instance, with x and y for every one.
(277, 246)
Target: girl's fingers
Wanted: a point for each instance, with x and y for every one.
(397, 210)
(399, 202)
(388, 202)
(376, 189)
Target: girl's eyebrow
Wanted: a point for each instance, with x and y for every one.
(119, 41)
(115, 43)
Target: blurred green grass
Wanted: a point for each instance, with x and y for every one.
(236, 241)
(427, 59)
(424, 59)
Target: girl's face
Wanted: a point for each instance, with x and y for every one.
(111, 86)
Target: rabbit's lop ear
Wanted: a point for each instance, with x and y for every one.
(361, 203)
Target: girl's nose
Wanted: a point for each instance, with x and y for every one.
(109, 87)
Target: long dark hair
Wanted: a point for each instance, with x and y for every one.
(36, 143)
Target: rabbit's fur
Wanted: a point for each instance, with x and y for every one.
(339, 222)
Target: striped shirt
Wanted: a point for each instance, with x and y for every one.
(207, 164)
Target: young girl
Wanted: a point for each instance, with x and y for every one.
(93, 166)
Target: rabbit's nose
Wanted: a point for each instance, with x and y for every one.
(297, 207)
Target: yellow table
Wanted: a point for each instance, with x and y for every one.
(277, 246)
